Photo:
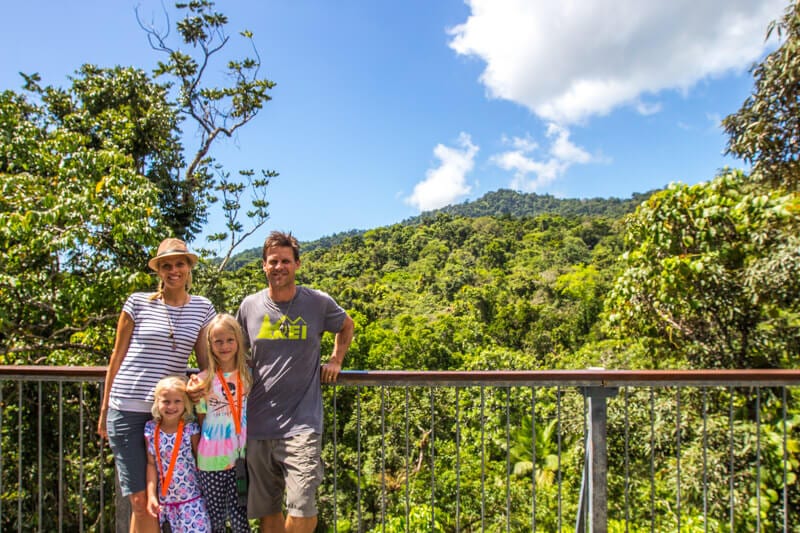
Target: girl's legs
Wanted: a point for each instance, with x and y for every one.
(219, 492)
(213, 488)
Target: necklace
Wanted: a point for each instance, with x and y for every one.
(172, 323)
(273, 305)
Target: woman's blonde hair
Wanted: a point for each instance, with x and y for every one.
(228, 322)
(173, 383)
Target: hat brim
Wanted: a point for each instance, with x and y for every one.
(153, 263)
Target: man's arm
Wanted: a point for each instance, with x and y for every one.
(341, 343)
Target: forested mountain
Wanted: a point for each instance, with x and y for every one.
(503, 202)
(518, 204)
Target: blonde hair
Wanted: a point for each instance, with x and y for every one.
(228, 322)
(173, 383)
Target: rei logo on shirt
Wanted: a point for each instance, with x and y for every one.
(283, 329)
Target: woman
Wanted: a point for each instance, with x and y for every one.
(156, 333)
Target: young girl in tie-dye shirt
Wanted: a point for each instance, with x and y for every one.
(222, 413)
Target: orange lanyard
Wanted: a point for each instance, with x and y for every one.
(166, 479)
(236, 407)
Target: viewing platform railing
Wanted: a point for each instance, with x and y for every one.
(585, 450)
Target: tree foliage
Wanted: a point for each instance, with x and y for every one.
(701, 276)
(711, 269)
(76, 220)
(766, 130)
(93, 177)
(218, 112)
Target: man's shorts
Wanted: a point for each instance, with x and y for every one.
(126, 437)
(293, 465)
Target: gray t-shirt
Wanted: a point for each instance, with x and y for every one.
(284, 341)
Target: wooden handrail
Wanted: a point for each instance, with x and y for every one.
(577, 378)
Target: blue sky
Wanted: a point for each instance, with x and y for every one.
(386, 109)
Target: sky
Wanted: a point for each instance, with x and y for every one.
(383, 110)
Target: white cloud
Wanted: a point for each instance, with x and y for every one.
(446, 183)
(569, 60)
(530, 174)
(647, 108)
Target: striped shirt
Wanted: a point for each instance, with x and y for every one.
(152, 354)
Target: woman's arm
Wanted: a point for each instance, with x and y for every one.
(121, 343)
(201, 348)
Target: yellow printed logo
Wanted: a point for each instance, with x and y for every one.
(283, 329)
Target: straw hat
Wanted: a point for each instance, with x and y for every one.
(170, 248)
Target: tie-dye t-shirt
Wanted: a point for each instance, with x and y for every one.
(219, 444)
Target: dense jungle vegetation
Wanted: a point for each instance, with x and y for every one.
(93, 176)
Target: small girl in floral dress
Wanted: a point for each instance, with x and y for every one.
(173, 491)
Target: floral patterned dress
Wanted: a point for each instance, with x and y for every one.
(183, 507)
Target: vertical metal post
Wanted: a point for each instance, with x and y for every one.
(335, 463)
(122, 516)
(433, 460)
(408, 452)
(594, 491)
(383, 459)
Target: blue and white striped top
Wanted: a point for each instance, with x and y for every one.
(150, 355)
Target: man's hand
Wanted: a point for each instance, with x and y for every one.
(330, 371)
(341, 342)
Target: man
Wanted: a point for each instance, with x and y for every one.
(283, 325)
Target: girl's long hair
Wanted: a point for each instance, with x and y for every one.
(228, 322)
(174, 383)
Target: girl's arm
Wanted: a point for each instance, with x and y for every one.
(197, 388)
(121, 344)
(153, 508)
(195, 440)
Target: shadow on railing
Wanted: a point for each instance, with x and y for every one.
(591, 450)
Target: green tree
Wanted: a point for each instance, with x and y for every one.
(76, 220)
(696, 280)
(711, 269)
(93, 177)
(765, 131)
(218, 112)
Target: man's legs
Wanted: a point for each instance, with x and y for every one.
(275, 523)
(296, 524)
(300, 473)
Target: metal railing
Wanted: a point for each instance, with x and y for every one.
(589, 450)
